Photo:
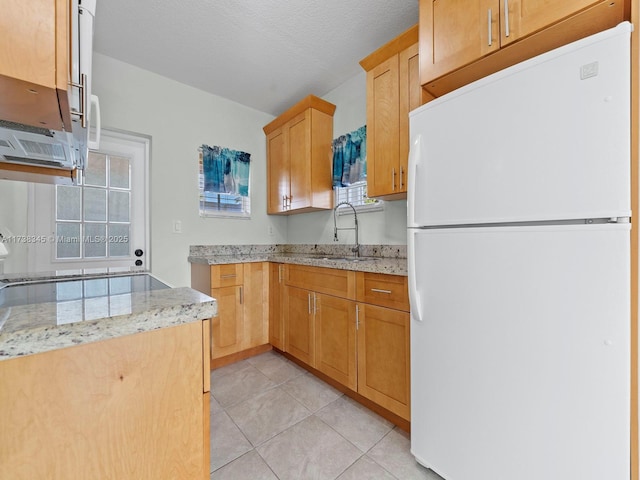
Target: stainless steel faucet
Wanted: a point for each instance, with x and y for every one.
(356, 248)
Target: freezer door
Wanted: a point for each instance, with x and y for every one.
(520, 365)
(547, 139)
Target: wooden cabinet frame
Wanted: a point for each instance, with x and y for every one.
(533, 31)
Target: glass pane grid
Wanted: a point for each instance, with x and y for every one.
(98, 210)
(356, 195)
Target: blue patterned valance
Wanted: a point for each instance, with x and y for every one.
(224, 182)
(350, 158)
(225, 170)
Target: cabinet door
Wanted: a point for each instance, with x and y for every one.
(276, 317)
(299, 330)
(255, 306)
(277, 171)
(126, 408)
(454, 33)
(335, 326)
(34, 67)
(226, 328)
(383, 357)
(527, 17)
(383, 117)
(411, 97)
(299, 147)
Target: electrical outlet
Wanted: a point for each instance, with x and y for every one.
(270, 231)
(177, 226)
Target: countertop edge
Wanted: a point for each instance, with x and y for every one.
(47, 338)
(385, 265)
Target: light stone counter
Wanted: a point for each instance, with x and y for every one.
(41, 327)
(389, 259)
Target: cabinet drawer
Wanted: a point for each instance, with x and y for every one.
(384, 290)
(339, 283)
(226, 275)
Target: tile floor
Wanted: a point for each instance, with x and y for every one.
(271, 419)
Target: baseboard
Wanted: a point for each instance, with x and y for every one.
(236, 357)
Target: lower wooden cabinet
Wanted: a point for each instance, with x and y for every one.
(335, 339)
(242, 292)
(299, 324)
(127, 408)
(227, 327)
(383, 357)
(363, 346)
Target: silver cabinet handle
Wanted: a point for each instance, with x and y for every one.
(290, 197)
(393, 179)
(82, 86)
(309, 302)
(401, 178)
(230, 275)
(489, 16)
(315, 307)
(379, 290)
(357, 317)
(506, 18)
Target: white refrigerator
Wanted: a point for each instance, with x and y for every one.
(519, 252)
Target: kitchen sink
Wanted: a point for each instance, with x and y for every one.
(351, 259)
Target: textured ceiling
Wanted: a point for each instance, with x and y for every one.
(266, 54)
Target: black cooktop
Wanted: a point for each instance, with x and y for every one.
(76, 289)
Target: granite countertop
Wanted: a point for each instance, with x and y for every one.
(39, 327)
(389, 259)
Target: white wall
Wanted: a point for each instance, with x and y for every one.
(179, 119)
(386, 227)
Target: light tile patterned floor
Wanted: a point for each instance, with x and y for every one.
(271, 419)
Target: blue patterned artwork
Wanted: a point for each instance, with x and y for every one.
(350, 158)
(224, 181)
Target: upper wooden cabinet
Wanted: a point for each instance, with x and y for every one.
(462, 41)
(299, 162)
(35, 63)
(393, 90)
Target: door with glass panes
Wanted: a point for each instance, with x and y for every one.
(102, 222)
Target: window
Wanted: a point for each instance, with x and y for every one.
(224, 182)
(93, 219)
(356, 195)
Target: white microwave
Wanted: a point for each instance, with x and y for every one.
(28, 145)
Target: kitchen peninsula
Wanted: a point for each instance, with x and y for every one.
(104, 377)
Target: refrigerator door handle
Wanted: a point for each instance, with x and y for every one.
(414, 297)
(414, 158)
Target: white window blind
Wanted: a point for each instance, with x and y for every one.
(356, 195)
